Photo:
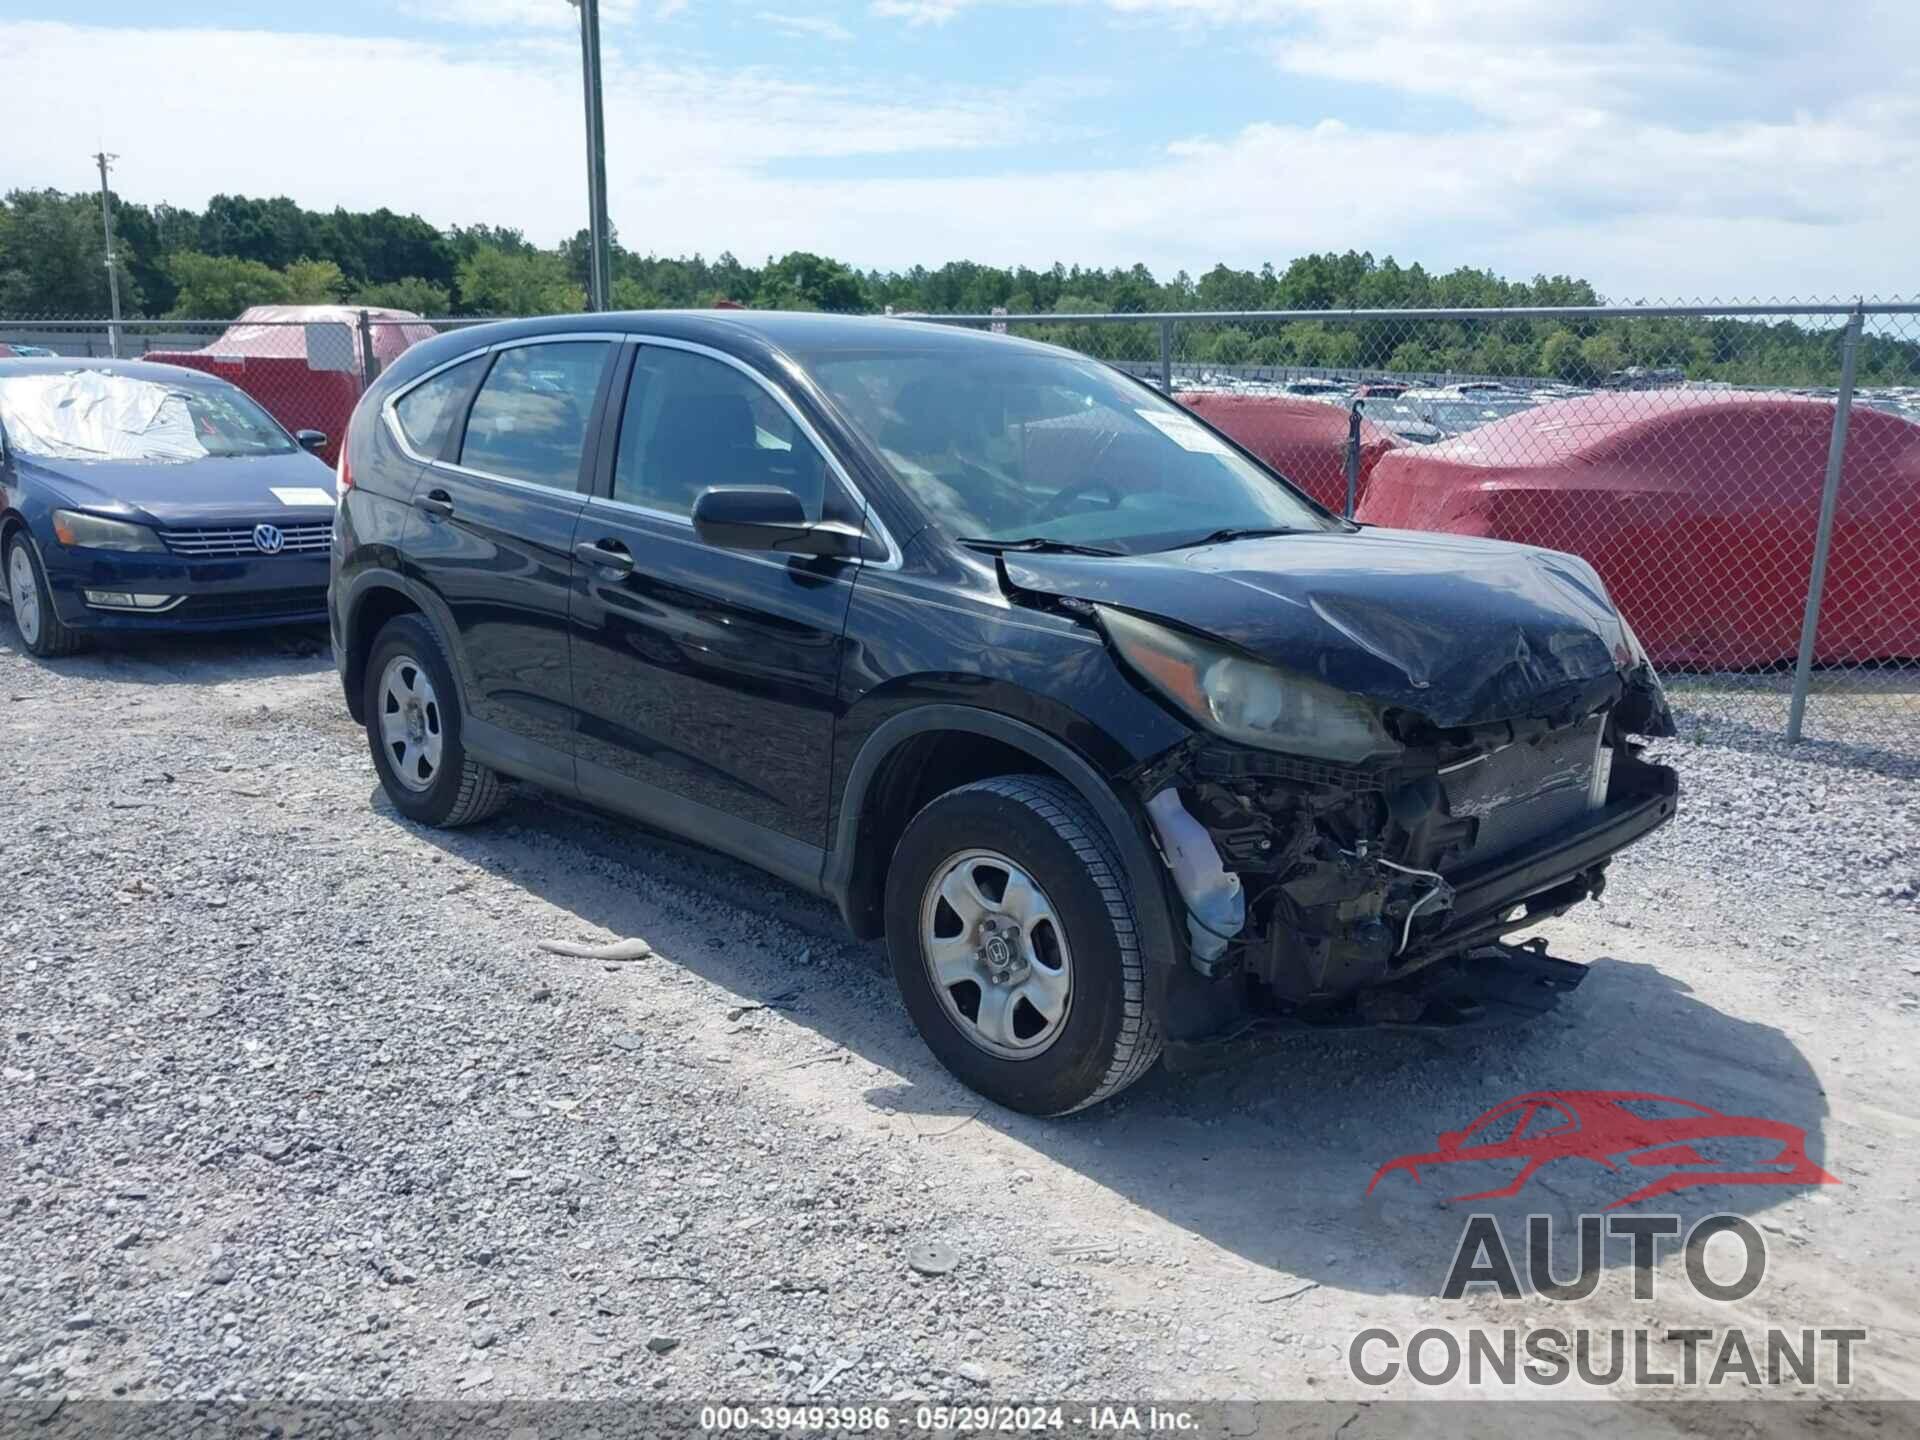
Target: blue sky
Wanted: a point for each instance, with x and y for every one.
(1665, 151)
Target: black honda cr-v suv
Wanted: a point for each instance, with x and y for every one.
(1123, 743)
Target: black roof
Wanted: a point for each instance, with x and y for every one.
(802, 335)
(132, 369)
(802, 330)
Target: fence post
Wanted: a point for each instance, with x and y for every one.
(1823, 534)
(1353, 456)
(369, 363)
(1166, 357)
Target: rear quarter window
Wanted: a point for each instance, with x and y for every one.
(428, 411)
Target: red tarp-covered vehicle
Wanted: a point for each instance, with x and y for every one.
(1698, 508)
(303, 362)
(1305, 440)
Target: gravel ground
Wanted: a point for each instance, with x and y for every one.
(296, 1107)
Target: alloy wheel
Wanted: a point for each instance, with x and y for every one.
(412, 727)
(997, 954)
(24, 588)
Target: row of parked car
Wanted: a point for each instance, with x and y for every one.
(1698, 504)
(1125, 745)
(1415, 413)
(1719, 512)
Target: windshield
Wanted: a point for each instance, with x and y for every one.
(1031, 446)
(1467, 414)
(98, 415)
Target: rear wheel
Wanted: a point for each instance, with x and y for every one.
(413, 729)
(41, 630)
(1015, 945)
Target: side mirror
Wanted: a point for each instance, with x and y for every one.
(767, 517)
(314, 440)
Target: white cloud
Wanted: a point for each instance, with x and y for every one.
(525, 14)
(456, 132)
(1601, 151)
(805, 27)
(921, 12)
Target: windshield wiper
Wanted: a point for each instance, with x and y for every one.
(1238, 532)
(1035, 543)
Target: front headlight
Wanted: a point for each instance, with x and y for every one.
(1248, 701)
(96, 532)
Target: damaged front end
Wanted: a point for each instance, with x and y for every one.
(1407, 747)
(1382, 894)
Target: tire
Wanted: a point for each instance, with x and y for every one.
(423, 766)
(1032, 1042)
(51, 636)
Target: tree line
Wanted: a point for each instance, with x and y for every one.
(211, 264)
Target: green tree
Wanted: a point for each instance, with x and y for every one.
(1232, 346)
(315, 282)
(1560, 356)
(219, 287)
(801, 281)
(495, 282)
(1416, 357)
(1602, 355)
(628, 293)
(412, 292)
(53, 256)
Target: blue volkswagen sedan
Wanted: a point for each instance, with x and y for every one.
(137, 497)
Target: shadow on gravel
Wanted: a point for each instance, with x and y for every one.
(1270, 1160)
(188, 659)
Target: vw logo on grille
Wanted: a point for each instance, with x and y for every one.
(268, 540)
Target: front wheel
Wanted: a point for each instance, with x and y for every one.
(1016, 948)
(41, 629)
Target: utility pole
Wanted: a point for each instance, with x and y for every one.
(113, 276)
(600, 275)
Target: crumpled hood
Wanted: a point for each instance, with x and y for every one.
(1462, 631)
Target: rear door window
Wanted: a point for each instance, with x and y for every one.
(529, 421)
(428, 411)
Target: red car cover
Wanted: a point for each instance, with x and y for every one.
(270, 361)
(1305, 440)
(1698, 508)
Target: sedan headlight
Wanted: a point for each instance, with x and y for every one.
(1244, 700)
(96, 532)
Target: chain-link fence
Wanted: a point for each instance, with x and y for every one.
(306, 364)
(1746, 479)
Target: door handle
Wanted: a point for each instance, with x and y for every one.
(435, 502)
(599, 552)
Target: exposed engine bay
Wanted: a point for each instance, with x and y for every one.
(1407, 746)
(1352, 880)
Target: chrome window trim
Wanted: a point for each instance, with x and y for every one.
(399, 434)
(894, 559)
(569, 493)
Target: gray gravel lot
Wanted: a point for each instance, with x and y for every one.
(296, 1107)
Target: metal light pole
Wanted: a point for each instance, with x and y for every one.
(113, 276)
(600, 276)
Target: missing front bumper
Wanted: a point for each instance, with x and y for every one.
(1490, 985)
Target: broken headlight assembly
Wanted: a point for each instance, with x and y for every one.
(1242, 699)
